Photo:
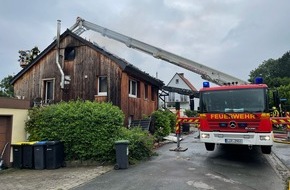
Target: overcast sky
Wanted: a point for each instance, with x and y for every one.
(232, 36)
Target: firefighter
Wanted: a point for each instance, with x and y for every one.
(275, 112)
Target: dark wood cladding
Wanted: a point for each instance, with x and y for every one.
(101, 98)
(83, 71)
(29, 86)
(136, 107)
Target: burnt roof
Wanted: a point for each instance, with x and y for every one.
(124, 65)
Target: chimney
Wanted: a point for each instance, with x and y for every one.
(57, 54)
(181, 74)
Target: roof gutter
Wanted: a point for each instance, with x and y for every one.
(57, 54)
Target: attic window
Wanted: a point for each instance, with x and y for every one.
(176, 81)
(69, 53)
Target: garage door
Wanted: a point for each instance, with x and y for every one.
(5, 136)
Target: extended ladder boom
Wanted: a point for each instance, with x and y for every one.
(205, 72)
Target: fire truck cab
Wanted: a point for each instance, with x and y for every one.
(235, 114)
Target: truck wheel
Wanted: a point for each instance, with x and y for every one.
(266, 149)
(209, 146)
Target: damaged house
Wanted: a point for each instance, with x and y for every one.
(73, 68)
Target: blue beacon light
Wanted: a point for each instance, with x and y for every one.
(205, 84)
(258, 80)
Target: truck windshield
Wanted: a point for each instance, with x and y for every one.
(239, 100)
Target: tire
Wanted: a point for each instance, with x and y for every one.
(209, 146)
(266, 149)
(116, 167)
(63, 164)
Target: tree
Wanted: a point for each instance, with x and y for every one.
(26, 56)
(284, 93)
(6, 89)
(276, 74)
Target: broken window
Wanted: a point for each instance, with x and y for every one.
(69, 53)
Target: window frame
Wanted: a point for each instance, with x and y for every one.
(133, 83)
(102, 93)
(146, 91)
(45, 96)
(171, 97)
(153, 91)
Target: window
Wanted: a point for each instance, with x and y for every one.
(133, 88)
(48, 90)
(183, 98)
(102, 86)
(154, 91)
(69, 53)
(237, 100)
(171, 97)
(176, 81)
(146, 91)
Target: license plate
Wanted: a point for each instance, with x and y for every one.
(234, 141)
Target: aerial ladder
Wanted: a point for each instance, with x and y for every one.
(205, 72)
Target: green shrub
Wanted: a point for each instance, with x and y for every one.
(161, 123)
(190, 113)
(172, 119)
(88, 129)
(140, 143)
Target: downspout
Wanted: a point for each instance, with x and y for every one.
(57, 54)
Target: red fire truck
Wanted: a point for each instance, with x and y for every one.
(236, 114)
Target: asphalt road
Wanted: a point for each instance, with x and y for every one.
(228, 167)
